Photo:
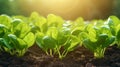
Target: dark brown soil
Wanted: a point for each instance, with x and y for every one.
(80, 57)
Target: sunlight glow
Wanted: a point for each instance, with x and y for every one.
(69, 9)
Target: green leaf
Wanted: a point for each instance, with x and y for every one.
(49, 42)
(74, 42)
(3, 30)
(13, 40)
(5, 20)
(105, 29)
(114, 19)
(79, 21)
(91, 33)
(101, 39)
(5, 43)
(63, 36)
(21, 30)
(17, 43)
(54, 20)
(89, 45)
(15, 22)
(83, 36)
(29, 39)
(118, 36)
(34, 17)
(39, 41)
(53, 32)
(109, 41)
(44, 28)
(77, 31)
(21, 44)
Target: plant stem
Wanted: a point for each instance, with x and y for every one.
(99, 53)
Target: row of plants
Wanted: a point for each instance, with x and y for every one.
(56, 36)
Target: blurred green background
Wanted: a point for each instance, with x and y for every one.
(88, 9)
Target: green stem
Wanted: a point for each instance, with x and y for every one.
(64, 53)
(46, 52)
(51, 54)
(60, 56)
(99, 53)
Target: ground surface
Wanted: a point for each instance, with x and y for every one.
(80, 57)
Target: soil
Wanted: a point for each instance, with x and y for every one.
(80, 57)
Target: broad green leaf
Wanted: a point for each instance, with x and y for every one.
(109, 41)
(79, 22)
(77, 31)
(3, 30)
(101, 39)
(83, 35)
(105, 29)
(29, 39)
(91, 33)
(49, 42)
(89, 45)
(54, 20)
(34, 17)
(6, 43)
(13, 40)
(74, 42)
(44, 28)
(17, 43)
(63, 35)
(117, 28)
(118, 36)
(21, 44)
(5, 20)
(15, 22)
(39, 41)
(21, 30)
(53, 32)
(114, 19)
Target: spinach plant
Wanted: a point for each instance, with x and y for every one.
(57, 41)
(4, 29)
(114, 23)
(15, 36)
(97, 39)
(55, 37)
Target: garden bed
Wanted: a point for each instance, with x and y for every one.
(80, 57)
